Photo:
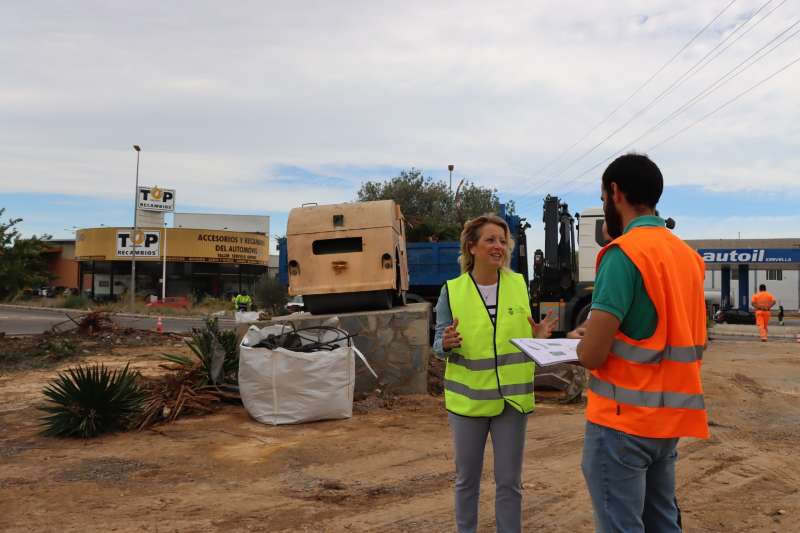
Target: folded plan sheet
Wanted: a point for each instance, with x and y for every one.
(548, 351)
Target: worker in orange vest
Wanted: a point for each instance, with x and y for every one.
(643, 343)
(763, 301)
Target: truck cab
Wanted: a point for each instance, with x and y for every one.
(590, 241)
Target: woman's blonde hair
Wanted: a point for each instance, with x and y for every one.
(472, 233)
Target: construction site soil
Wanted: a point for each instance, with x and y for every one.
(389, 467)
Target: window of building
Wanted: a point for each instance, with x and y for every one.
(734, 274)
(775, 275)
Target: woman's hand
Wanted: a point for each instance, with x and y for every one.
(577, 333)
(451, 339)
(543, 329)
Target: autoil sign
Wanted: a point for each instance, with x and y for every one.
(750, 255)
(146, 243)
(155, 199)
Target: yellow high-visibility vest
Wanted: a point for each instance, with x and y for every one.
(487, 371)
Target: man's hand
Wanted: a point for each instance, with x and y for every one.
(543, 329)
(452, 338)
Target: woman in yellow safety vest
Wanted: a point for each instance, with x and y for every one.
(488, 383)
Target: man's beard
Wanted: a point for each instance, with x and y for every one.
(613, 219)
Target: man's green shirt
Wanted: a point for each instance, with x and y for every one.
(619, 288)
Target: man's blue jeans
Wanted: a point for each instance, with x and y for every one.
(631, 481)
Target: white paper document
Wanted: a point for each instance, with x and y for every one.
(548, 351)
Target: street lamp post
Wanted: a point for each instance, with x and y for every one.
(450, 168)
(164, 266)
(135, 226)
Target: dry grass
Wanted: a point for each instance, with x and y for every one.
(181, 391)
(206, 307)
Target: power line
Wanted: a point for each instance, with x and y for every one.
(685, 76)
(751, 28)
(726, 104)
(730, 75)
(620, 106)
(713, 112)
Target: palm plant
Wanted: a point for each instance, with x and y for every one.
(194, 385)
(204, 342)
(87, 401)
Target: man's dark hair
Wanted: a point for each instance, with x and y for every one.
(762, 287)
(637, 177)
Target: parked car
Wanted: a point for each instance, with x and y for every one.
(47, 292)
(732, 315)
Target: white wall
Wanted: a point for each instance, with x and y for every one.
(246, 223)
(786, 291)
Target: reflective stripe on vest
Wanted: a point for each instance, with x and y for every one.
(652, 387)
(677, 400)
(487, 362)
(487, 371)
(637, 354)
(488, 394)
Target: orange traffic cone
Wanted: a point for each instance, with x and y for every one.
(160, 325)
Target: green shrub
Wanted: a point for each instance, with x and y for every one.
(87, 401)
(271, 294)
(76, 301)
(202, 344)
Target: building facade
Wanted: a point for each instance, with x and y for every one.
(209, 255)
(736, 267)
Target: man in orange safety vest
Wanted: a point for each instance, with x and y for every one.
(763, 301)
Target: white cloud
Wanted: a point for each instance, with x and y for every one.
(219, 95)
(735, 227)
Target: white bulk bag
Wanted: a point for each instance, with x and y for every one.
(282, 386)
(244, 317)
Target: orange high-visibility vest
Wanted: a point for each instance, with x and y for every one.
(762, 300)
(651, 387)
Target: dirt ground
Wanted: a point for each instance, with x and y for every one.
(386, 469)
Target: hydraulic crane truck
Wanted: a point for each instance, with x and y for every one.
(563, 274)
(563, 279)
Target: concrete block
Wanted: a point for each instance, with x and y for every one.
(394, 341)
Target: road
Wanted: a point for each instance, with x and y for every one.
(34, 320)
(31, 321)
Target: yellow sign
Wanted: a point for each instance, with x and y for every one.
(182, 244)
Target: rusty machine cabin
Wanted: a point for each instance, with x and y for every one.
(347, 257)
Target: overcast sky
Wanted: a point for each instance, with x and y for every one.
(256, 107)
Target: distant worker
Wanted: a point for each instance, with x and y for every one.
(763, 301)
(242, 301)
(488, 383)
(780, 315)
(643, 343)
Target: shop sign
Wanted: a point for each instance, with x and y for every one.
(147, 243)
(750, 255)
(155, 199)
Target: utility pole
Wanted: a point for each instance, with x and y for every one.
(135, 226)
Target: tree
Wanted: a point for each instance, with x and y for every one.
(430, 208)
(22, 261)
(271, 295)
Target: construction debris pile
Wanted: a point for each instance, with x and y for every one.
(91, 334)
